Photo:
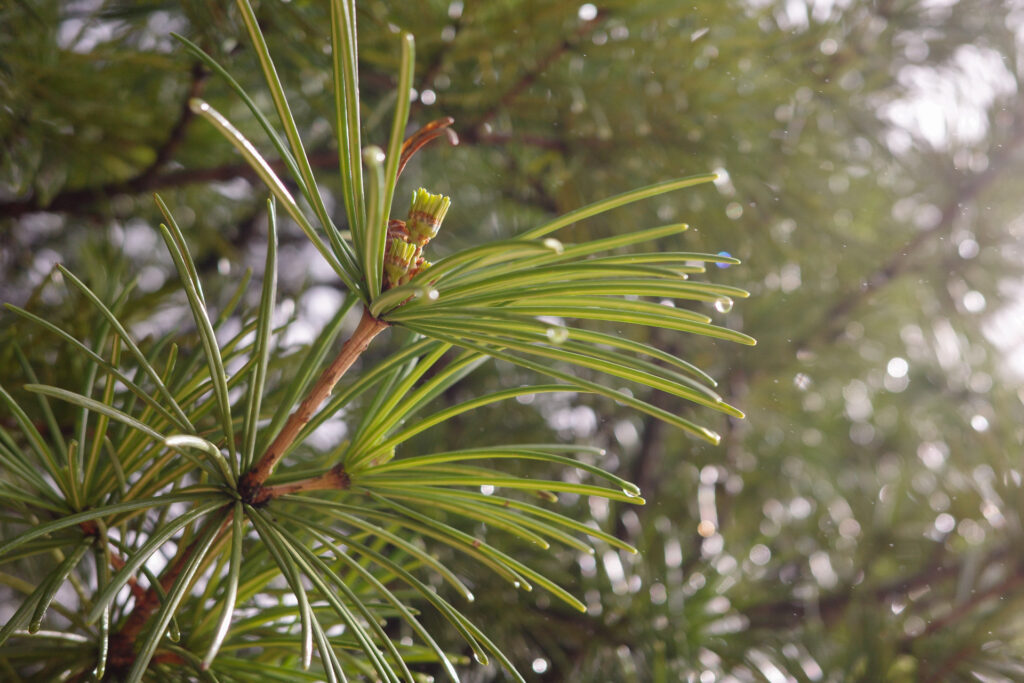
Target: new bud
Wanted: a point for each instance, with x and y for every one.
(398, 262)
(425, 216)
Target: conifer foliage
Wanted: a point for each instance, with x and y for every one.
(861, 523)
(173, 507)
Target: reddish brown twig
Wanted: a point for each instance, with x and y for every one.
(334, 479)
(250, 485)
(122, 644)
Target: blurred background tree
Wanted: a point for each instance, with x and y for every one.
(861, 523)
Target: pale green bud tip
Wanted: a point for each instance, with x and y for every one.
(373, 155)
(400, 253)
(425, 215)
(398, 261)
(425, 202)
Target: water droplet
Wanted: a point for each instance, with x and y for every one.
(428, 293)
(480, 658)
(557, 335)
(554, 245)
(723, 304)
(516, 584)
(974, 301)
(724, 265)
(630, 493)
(470, 597)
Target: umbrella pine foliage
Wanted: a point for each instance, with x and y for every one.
(167, 494)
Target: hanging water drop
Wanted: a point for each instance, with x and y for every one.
(557, 335)
(723, 304)
(631, 493)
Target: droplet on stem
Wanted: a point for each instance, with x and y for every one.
(428, 293)
(554, 245)
(723, 304)
(557, 335)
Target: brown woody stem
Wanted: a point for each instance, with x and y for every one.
(333, 479)
(122, 644)
(251, 484)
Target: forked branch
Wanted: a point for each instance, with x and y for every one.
(334, 479)
(250, 485)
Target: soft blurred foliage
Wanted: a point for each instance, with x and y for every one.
(860, 524)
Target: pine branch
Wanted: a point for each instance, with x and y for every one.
(251, 485)
(177, 134)
(899, 262)
(76, 201)
(998, 591)
(531, 76)
(122, 643)
(334, 479)
(147, 179)
(786, 613)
